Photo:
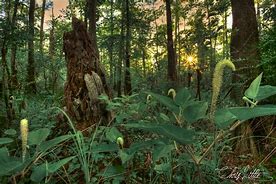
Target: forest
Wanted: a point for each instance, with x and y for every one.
(138, 91)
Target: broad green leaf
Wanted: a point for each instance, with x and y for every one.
(173, 132)
(163, 168)
(111, 147)
(161, 151)
(144, 144)
(44, 146)
(10, 132)
(39, 172)
(245, 113)
(168, 102)
(7, 163)
(53, 167)
(224, 117)
(182, 96)
(5, 140)
(265, 92)
(36, 137)
(112, 171)
(124, 156)
(45, 169)
(253, 89)
(195, 111)
(164, 117)
(112, 134)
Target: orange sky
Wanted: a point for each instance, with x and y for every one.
(58, 5)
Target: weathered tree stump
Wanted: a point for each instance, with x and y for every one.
(85, 78)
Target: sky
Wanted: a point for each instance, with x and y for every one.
(58, 6)
(61, 4)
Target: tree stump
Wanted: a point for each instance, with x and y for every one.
(85, 78)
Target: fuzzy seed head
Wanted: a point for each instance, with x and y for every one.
(217, 81)
(120, 142)
(172, 92)
(24, 136)
(149, 97)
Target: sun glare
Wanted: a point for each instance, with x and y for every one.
(190, 62)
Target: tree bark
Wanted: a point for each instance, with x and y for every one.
(14, 80)
(245, 54)
(127, 53)
(31, 86)
(52, 54)
(41, 32)
(91, 15)
(121, 52)
(244, 44)
(172, 76)
(5, 87)
(85, 78)
(111, 62)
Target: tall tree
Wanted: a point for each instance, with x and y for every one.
(172, 75)
(244, 43)
(5, 70)
(245, 54)
(91, 15)
(127, 51)
(14, 81)
(41, 32)
(111, 43)
(31, 86)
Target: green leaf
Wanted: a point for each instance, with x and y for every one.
(164, 117)
(224, 117)
(53, 167)
(112, 171)
(253, 89)
(161, 151)
(143, 145)
(124, 156)
(45, 169)
(168, 102)
(36, 137)
(182, 96)
(112, 134)
(163, 168)
(5, 140)
(7, 163)
(10, 132)
(245, 113)
(44, 146)
(265, 92)
(195, 111)
(105, 148)
(39, 172)
(176, 133)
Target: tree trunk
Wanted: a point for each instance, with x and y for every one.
(52, 54)
(172, 76)
(121, 53)
(245, 54)
(31, 86)
(5, 87)
(85, 78)
(111, 62)
(244, 44)
(127, 53)
(14, 80)
(41, 32)
(41, 39)
(91, 15)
